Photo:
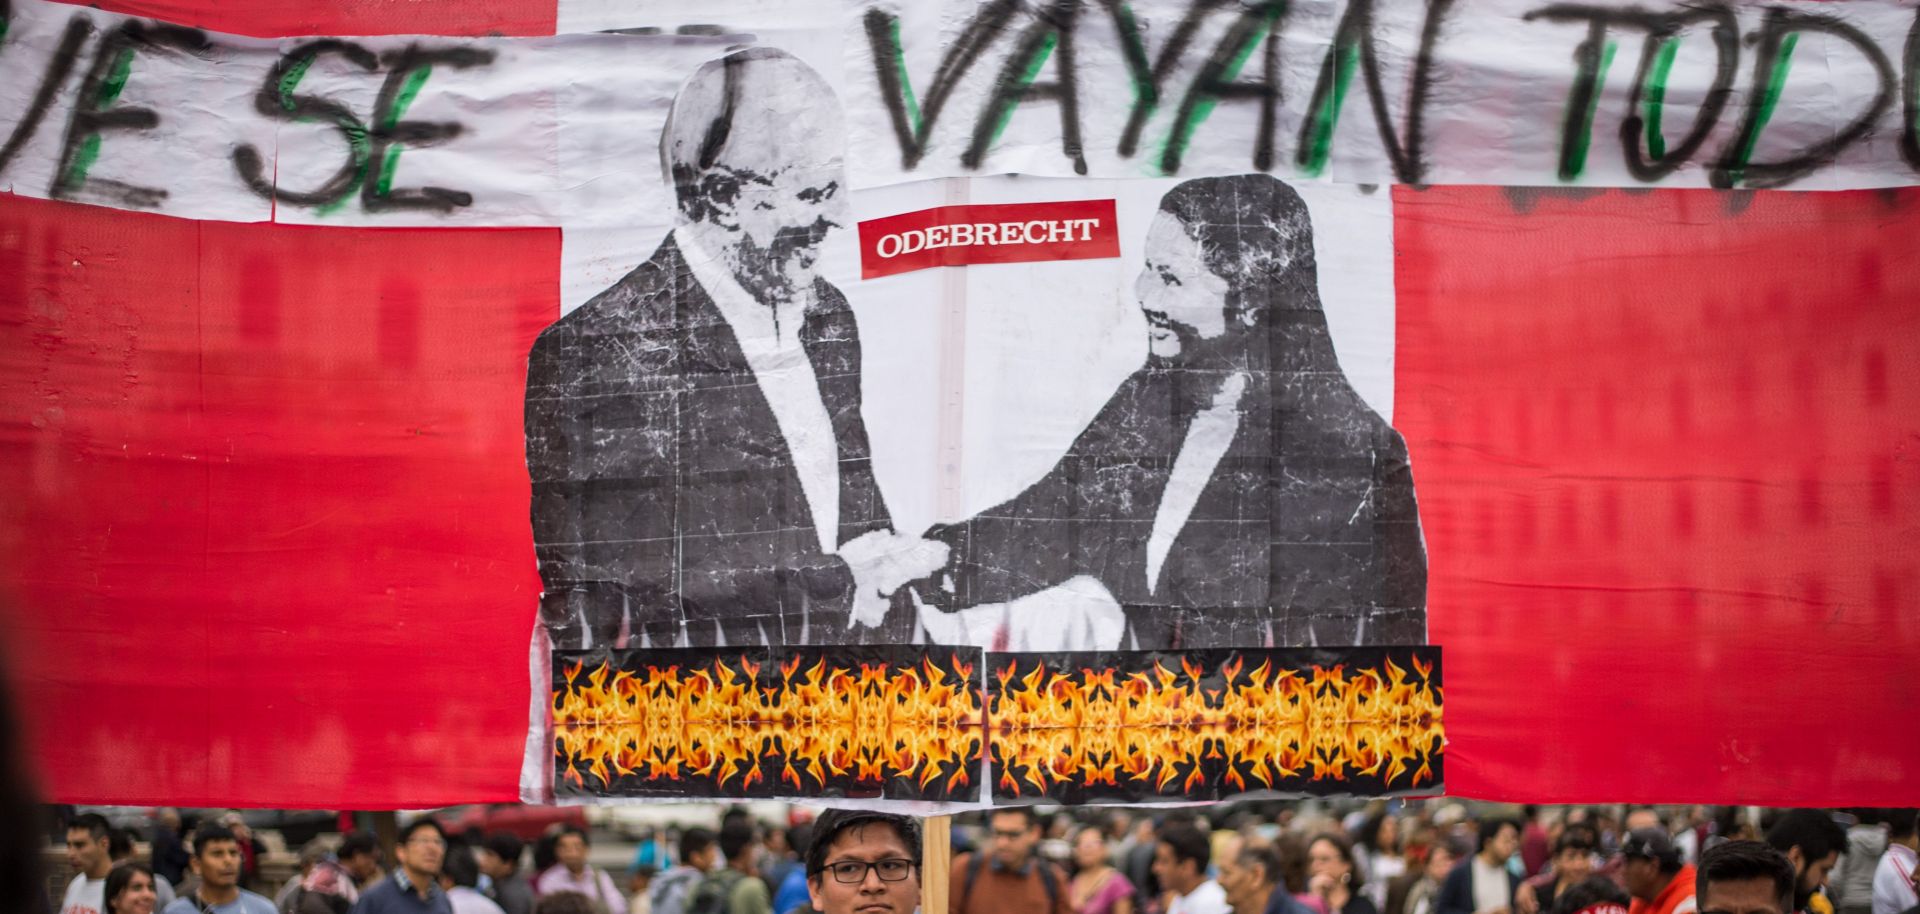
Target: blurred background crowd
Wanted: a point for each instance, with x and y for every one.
(1437, 856)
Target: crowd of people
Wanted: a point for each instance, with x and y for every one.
(1419, 857)
(1433, 857)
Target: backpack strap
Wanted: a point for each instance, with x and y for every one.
(1050, 879)
(976, 862)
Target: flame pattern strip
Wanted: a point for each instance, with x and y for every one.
(1202, 725)
(895, 723)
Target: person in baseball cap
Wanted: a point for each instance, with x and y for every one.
(1654, 874)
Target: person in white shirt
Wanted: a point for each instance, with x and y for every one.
(89, 852)
(1894, 878)
(1180, 859)
(574, 874)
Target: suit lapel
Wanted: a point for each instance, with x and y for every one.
(832, 345)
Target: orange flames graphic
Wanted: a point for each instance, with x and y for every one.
(811, 724)
(1159, 732)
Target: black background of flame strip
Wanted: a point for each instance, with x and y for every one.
(1211, 663)
(899, 786)
(906, 786)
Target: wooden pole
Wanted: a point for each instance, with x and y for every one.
(386, 829)
(936, 863)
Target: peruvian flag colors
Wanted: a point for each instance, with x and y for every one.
(265, 535)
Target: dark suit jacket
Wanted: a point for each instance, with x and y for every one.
(1456, 893)
(1306, 532)
(663, 491)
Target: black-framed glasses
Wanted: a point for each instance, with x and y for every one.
(853, 872)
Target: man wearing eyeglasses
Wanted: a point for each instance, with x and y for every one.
(1009, 878)
(864, 863)
(414, 887)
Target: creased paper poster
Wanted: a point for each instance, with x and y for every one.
(702, 471)
(1132, 726)
(896, 723)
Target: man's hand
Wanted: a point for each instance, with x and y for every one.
(882, 561)
(1525, 901)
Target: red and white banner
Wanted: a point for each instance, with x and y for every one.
(290, 501)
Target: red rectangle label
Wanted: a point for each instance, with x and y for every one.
(951, 236)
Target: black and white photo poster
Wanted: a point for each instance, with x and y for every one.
(704, 471)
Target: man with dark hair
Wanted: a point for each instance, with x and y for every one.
(499, 859)
(414, 886)
(573, 874)
(1653, 874)
(1180, 860)
(1483, 884)
(216, 861)
(863, 861)
(735, 888)
(1893, 878)
(1812, 842)
(460, 879)
(673, 888)
(90, 853)
(1251, 879)
(1744, 877)
(1010, 878)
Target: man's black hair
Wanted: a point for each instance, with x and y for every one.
(1731, 861)
(735, 837)
(800, 838)
(1490, 829)
(1590, 891)
(506, 845)
(834, 821)
(1265, 858)
(575, 831)
(1576, 837)
(1187, 843)
(355, 843)
(693, 841)
(96, 825)
(1024, 812)
(564, 903)
(1813, 831)
(1902, 823)
(460, 868)
(407, 830)
(120, 843)
(209, 832)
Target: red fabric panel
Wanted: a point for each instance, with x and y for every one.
(276, 18)
(1665, 447)
(266, 524)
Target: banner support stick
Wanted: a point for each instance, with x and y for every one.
(936, 863)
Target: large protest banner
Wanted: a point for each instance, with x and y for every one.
(370, 395)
